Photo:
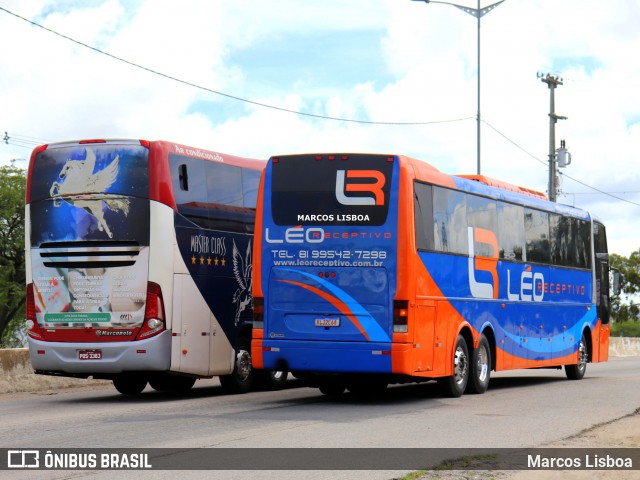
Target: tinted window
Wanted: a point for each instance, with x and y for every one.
(536, 225)
(599, 238)
(250, 185)
(561, 240)
(450, 221)
(424, 216)
(355, 190)
(482, 213)
(224, 184)
(214, 195)
(570, 241)
(511, 238)
(582, 236)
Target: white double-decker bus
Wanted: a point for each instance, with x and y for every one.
(139, 264)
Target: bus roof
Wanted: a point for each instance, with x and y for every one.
(490, 187)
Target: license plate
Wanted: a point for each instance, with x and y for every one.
(327, 322)
(90, 354)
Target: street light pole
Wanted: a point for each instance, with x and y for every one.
(478, 13)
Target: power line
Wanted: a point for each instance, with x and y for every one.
(25, 142)
(514, 143)
(602, 192)
(226, 95)
(609, 194)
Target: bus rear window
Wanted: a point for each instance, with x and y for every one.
(87, 169)
(331, 189)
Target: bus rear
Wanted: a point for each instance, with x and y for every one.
(325, 265)
(90, 307)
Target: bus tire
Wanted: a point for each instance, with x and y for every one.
(454, 385)
(332, 389)
(165, 382)
(130, 383)
(577, 371)
(368, 388)
(241, 379)
(480, 373)
(270, 379)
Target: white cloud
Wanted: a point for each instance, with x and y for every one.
(52, 89)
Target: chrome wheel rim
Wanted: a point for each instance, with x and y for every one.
(243, 365)
(460, 365)
(482, 365)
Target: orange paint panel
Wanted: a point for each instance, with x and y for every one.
(401, 358)
(257, 360)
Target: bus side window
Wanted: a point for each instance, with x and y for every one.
(511, 237)
(536, 225)
(450, 221)
(423, 210)
(482, 214)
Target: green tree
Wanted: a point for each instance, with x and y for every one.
(624, 308)
(12, 266)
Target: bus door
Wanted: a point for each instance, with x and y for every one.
(603, 292)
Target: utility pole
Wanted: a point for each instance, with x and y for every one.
(552, 82)
(478, 13)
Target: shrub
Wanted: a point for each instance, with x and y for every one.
(625, 329)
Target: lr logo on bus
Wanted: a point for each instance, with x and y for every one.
(375, 187)
(531, 283)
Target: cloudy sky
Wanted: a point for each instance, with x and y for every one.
(399, 75)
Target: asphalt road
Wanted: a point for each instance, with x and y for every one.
(524, 408)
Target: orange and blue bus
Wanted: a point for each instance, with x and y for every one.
(376, 269)
(138, 264)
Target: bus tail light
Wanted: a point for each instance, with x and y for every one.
(33, 329)
(258, 312)
(400, 316)
(154, 312)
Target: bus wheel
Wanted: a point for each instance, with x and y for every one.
(480, 367)
(241, 380)
(455, 385)
(368, 388)
(130, 383)
(271, 379)
(577, 371)
(332, 389)
(164, 382)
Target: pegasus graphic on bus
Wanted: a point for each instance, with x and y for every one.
(376, 269)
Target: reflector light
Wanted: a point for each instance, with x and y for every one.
(390, 159)
(332, 157)
(275, 160)
(33, 329)
(400, 316)
(318, 157)
(95, 140)
(258, 310)
(344, 157)
(154, 312)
